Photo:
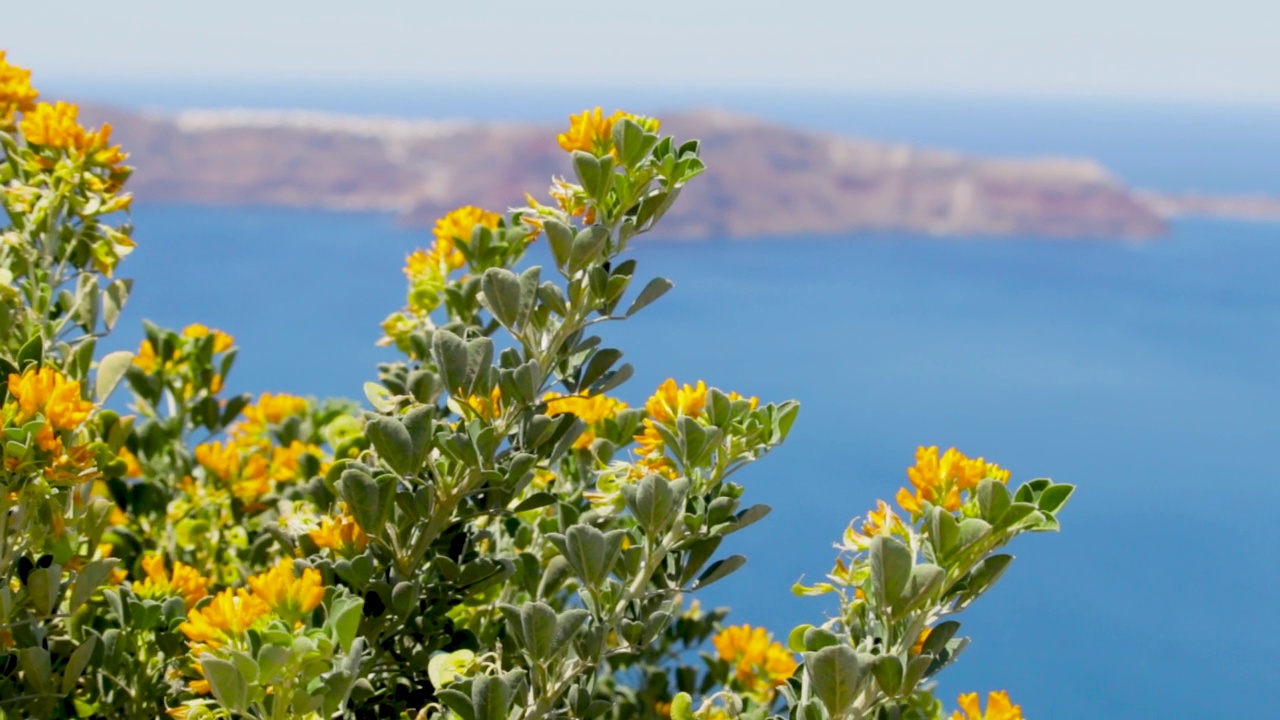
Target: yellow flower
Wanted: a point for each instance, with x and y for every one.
(16, 93)
(145, 358)
(942, 480)
(881, 521)
(593, 132)
(55, 126)
(222, 342)
(285, 461)
(75, 465)
(759, 663)
(671, 401)
(421, 263)
(287, 593)
(269, 410)
(221, 460)
(444, 255)
(340, 533)
(489, 408)
(590, 409)
(184, 582)
(133, 468)
(918, 646)
(998, 708)
(274, 409)
(253, 482)
(226, 618)
(51, 394)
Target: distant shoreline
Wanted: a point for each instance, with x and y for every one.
(764, 179)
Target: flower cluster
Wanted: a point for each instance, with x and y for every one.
(759, 663)
(590, 409)
(340, 534)
(184, 581)
(592, 130)
(57, 127)
(428, 270)
(668, 404)
(16, 93)
(250, 463)
(998, 707)
(47, 407)
(224, 622)
(178, 359)
(945, 481)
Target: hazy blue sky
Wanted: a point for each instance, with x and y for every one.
(1178, 49)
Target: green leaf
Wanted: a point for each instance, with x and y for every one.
(35, 665)
(594, 174)
(490, 697)
(446, 668)
(567, 626)
(749, 516)
(456, 701)
(888, 671)
(535, 501)
(1017, 512)
(817, 638)
(228, 685)
(111, 370)
(682, 707)
(972, 531)
(89, 579)
(114, 299)
(719, 569)
(597, 366)
(655, 289)
(587, 247)
(363, 496)
(944, 531)
(32, 352)
(939, 636)
(560, 238)
(891, 564)
(378, 396)
(391, 439)
(42, 588)
(502, 296)
(916, 668)
(479, 360)
(994, 499)
(1055, 497)
(529, 280)
(698, 554)
(982, 577)
(923, 583)
(654, 501)
(271, 659)
(538, 623)
(344, 619)
(835, 674)
(450, 354)
(76, 663)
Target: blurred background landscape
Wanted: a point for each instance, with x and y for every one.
(1046, 235)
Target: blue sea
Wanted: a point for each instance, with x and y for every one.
(1146, 374)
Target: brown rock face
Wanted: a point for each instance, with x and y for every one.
(762, 179)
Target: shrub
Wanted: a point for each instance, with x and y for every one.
(497, 537)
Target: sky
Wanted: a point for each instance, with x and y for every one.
(1197, 50)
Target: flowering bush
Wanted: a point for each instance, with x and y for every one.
(495, 537)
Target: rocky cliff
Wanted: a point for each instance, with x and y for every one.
(763, 179)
